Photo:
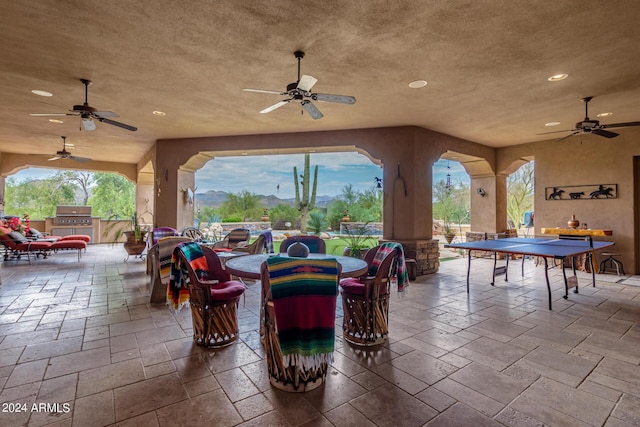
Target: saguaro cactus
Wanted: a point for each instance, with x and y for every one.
(305, 203)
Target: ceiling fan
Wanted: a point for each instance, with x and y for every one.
(64, 154)
(592, 126)
(300, 91)
(88, 113)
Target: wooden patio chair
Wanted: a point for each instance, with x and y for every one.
(213, 296)
(315, 244)
(365, 303)
(299, 301)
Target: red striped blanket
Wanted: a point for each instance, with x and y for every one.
(401, 268)
(177, 291)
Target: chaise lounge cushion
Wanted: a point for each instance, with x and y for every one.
(69, 244)
(17, 237)
(83, 237)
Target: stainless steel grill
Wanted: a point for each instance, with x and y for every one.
(73, 216)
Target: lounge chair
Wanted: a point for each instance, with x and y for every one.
(16, 245)
(237, 237)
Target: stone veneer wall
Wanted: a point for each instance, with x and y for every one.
(425, 252)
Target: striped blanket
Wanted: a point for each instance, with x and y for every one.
(165, 253)
(177, 291)
(401, 267)
(304, 295)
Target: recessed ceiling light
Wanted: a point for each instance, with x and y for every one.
(159, 113)
(56, 121)
(41, 92)
(558, 77)
(604, 114)
(552, 124)
(417, 84)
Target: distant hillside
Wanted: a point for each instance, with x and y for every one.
(214, 199)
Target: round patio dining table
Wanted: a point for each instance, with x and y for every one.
(248, 267)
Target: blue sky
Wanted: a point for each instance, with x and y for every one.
(263, 174)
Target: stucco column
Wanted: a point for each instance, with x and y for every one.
(407, 217)
(489, 212)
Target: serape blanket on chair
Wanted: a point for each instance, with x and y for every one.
(268, 241)
(177, 291)
(401, 268)
(165, 253)
(304, 293)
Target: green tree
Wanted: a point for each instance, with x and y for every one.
(282, 214)
(307, 202)
(365, 206)
(520, 193)
(113, 195)
(83, 179)
(243, 204)
(450, 204)
(38, 198)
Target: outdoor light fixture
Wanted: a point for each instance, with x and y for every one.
(481, 192)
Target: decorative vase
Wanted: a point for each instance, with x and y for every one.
(573, 222)
(134, 246)
(449, 236)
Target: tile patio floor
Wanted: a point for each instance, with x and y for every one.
(82, 334)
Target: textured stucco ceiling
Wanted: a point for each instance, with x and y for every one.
(486, 62)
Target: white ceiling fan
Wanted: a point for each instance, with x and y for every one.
(300, 91)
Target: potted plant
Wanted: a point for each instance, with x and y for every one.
(357, 239)
(449, 234)
(132, 229)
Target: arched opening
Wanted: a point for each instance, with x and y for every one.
(255, 188)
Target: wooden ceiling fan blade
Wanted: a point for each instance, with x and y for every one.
(80, 159)
(99, 114)
(275, 106)
(119, 124)
(55, 158)
(620, 125)
(312, 110)
(325, 97)
(557, 131)
(265, 91)
(568, 136)
(605, 133)
(50, 114)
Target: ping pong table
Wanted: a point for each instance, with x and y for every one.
(559, 249)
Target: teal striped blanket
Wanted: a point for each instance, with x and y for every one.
(304, 295)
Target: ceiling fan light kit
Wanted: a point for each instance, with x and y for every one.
(300, 92)
(89, 114)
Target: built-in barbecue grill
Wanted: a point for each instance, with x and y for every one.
(73, 216)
